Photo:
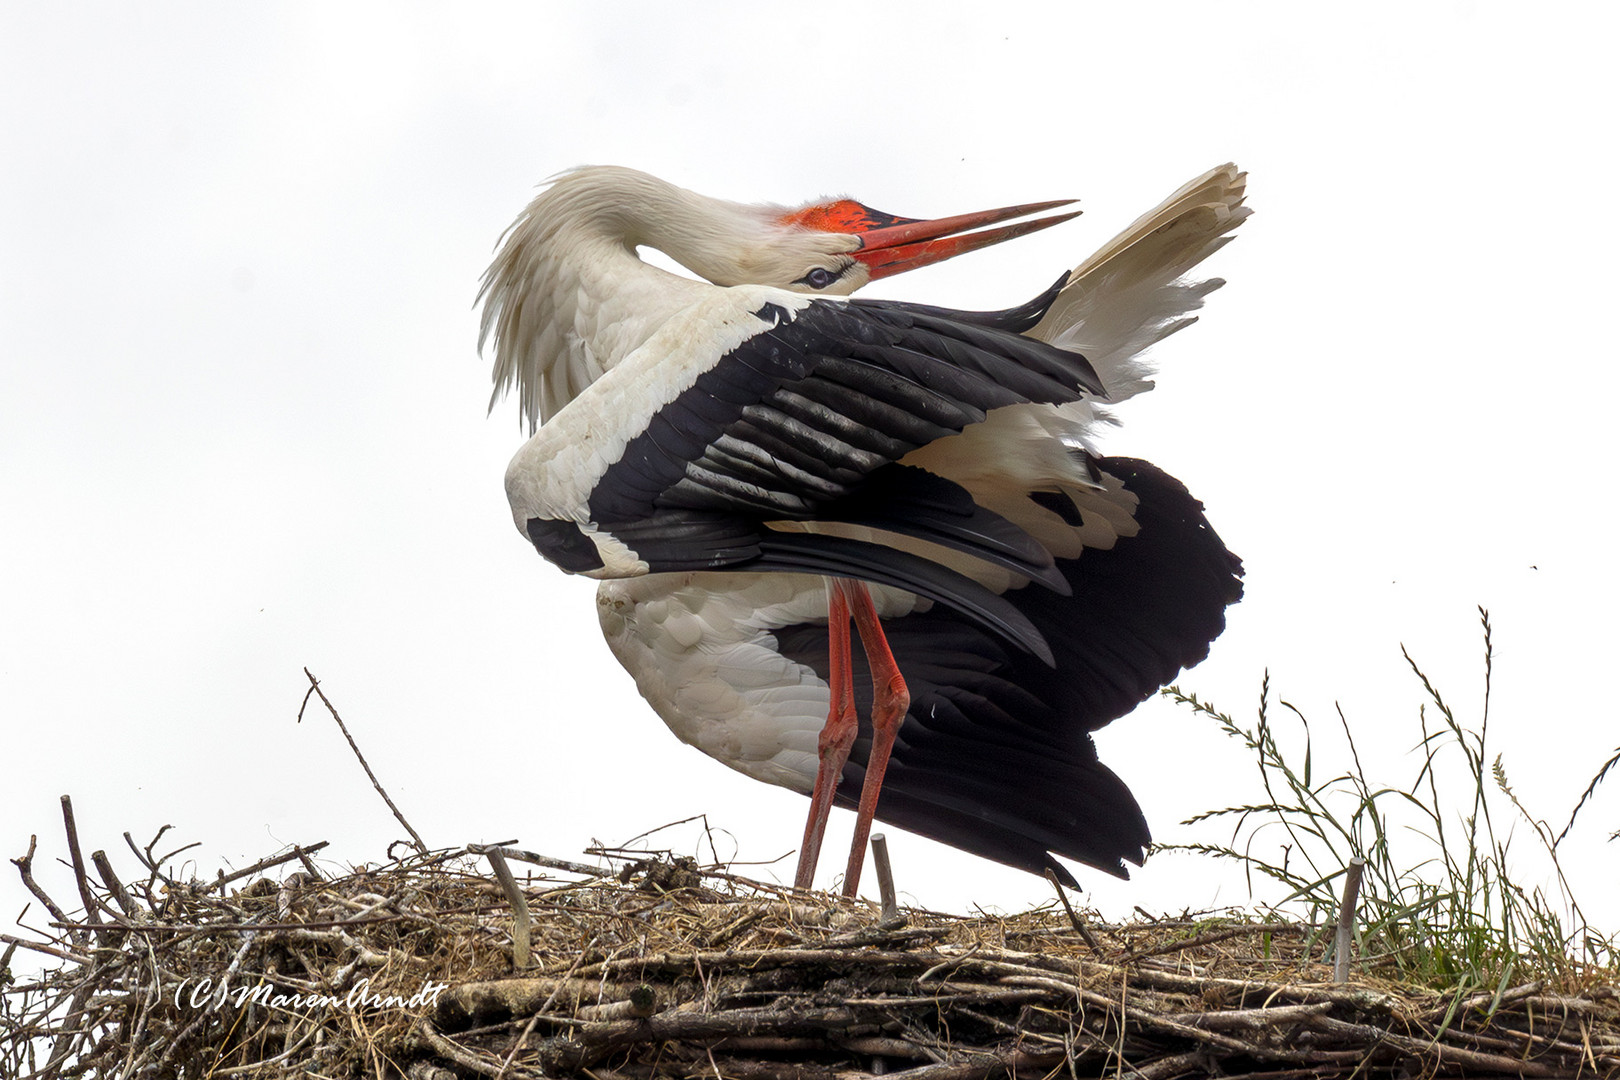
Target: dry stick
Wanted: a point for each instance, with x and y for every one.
(545, 1007)
(209, 929)
(110, 879)
(91, 913)
(640, 1004)
(1355, 998)
(1521, 1042)
(1266, 1020)
(543, 860)
(517, 1046)
(298, 852)
(315, 688)
(520, 907)
(1188, 1064)
(25, 867)
(146, 857)
(60, 954)
(1074, 920)
(1429, 1052)
(1489, 999)
(310, 868)
(1347, 920)
(457, 1053)
(70, 1032)
(524, 995)
(595, 1041)
(880, 860)
(152, 862)
(176, 851)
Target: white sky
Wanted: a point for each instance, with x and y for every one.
(242, 423)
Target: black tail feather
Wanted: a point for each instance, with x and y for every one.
(996, 756)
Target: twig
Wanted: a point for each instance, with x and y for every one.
(109, 878)
(60, 954)
(1347, 920)
(1270, 1019)
(153, 863)
(1432, 1051)
(310, 868)
(25, 867)
(146, 856)
(1074, 920)
(542, 860)
(70, 1032)
(457, 1053)
(1491, 1000)
(92, 912)
(205, 929)
(165, 858)
(298, 852)
(315, 688)
(517, 1046)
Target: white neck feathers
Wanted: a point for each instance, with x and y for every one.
(567, 298)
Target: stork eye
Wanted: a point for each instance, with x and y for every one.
(819, 278)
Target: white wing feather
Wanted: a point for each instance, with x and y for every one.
(1129, 295)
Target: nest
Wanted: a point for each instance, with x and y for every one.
(448, 965)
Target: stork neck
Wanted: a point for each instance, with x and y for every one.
(568, 298)
(712, 238)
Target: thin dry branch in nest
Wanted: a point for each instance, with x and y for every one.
(669, 969)
(315, 688)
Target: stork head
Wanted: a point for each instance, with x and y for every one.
(859, 244)
(828, 248)
(567, 297)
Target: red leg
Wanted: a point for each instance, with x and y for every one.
(890, 700)
(836, 737)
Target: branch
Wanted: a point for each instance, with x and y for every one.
(315, 688)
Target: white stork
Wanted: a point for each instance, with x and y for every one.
(751, 460)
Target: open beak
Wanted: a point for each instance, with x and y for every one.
(893, 245)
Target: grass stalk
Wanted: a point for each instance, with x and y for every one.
(1439, 904)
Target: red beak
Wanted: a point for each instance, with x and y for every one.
(892, 245)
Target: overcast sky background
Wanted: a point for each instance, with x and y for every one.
(243, 429)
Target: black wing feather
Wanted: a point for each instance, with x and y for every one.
(914, 502)
(804, 421)
(1015, 320)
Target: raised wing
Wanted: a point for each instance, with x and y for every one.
(805, 421)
